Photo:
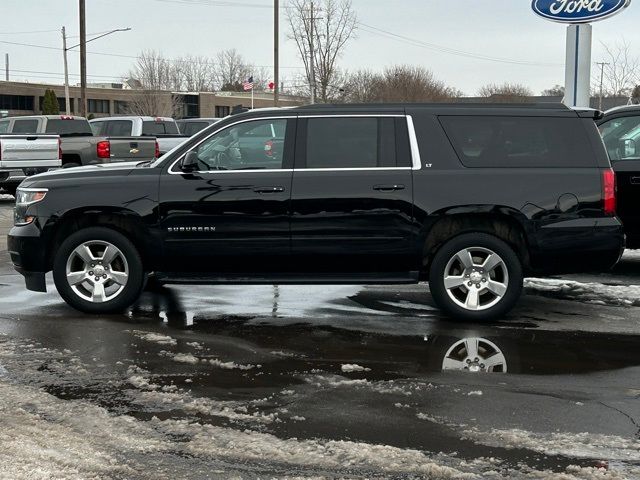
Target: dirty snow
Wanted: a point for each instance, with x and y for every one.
(352, 367)
(155, 338)
(596, 293)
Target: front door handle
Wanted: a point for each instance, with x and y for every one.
(635, 180)
(388, 188)
(268, 189)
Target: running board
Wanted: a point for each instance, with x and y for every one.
(392, 278)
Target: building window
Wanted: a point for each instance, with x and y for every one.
(120, 107)
(16, 102)
(97, 106)
(222, 111)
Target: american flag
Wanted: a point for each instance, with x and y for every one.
(248, 85)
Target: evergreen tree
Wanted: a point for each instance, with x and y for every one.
(50, 104)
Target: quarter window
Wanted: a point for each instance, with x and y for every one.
(256, 145)
(527, 142)
(350, 142)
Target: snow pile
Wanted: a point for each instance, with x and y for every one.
(596, 293)
(577, 445)
(155, 338)
(185, 358)
(352, 367)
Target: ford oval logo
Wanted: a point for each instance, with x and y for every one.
(578, 11)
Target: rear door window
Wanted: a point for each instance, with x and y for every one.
(526, 142)
(25, 126)
(191, 128)
(151, 128)
(350, 142)
(622, 138)
(4, 126)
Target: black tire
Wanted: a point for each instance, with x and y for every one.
(136, 275)
(11, 190)
(469, 241)
(71, 165)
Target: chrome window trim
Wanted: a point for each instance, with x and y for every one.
(413, 142)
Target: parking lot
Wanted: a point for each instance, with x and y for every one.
(321, 382)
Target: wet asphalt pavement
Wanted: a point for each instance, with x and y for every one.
(321, 382)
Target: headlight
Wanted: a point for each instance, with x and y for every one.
(27, 196)
(24, 198)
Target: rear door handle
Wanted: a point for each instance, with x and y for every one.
(388, 188)
(635, 180)
(268, 189)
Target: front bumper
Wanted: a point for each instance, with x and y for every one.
(27, 250)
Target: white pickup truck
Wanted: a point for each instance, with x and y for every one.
(25, 155)
(164, 129)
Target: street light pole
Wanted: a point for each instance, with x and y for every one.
(67, 102)
(83, 60)
(602, 65)
(276, 52)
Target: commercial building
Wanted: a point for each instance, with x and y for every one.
(18, 98)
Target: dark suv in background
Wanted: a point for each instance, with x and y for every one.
(620, 129)
(468, 197)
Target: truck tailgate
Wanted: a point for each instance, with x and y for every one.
(125, 149)
(26, 151)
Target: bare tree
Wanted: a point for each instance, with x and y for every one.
(334, 25)
(153, 71)
(154, 103)
(621, 70)
(401, 83)
(506, 92)
(231, 70)
(196, 74)
(555, 91)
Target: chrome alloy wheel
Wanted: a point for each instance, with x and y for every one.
(475, 355)
(97, 271)
(476, 278)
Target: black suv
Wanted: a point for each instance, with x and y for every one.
(620, 128)
(468, 197)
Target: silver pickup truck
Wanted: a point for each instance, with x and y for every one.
(164, 129)
(79, 145)
(25, 155)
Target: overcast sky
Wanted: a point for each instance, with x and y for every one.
(532, 48)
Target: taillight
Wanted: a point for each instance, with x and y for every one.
(104, 149)
(59, 148)
(157, 149)
(609, 191)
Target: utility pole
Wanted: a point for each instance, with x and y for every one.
(67, 102)
(312, 52)
(6, 67)
(602, 65)
(83, 60)
(276, 52)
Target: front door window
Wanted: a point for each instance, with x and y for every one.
(255, 145)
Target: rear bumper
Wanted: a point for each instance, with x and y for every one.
(578, 246)
(11, 178)
(27, 251)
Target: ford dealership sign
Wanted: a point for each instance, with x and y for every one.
(578, 11)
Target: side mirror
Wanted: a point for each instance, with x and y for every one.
(190, 162)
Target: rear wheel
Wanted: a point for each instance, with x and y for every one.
(71, 165)
(98, 270)
(476, 277)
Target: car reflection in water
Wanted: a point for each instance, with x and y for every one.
(408, 338)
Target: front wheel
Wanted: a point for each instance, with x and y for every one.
(98, 270)
(476, 276)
